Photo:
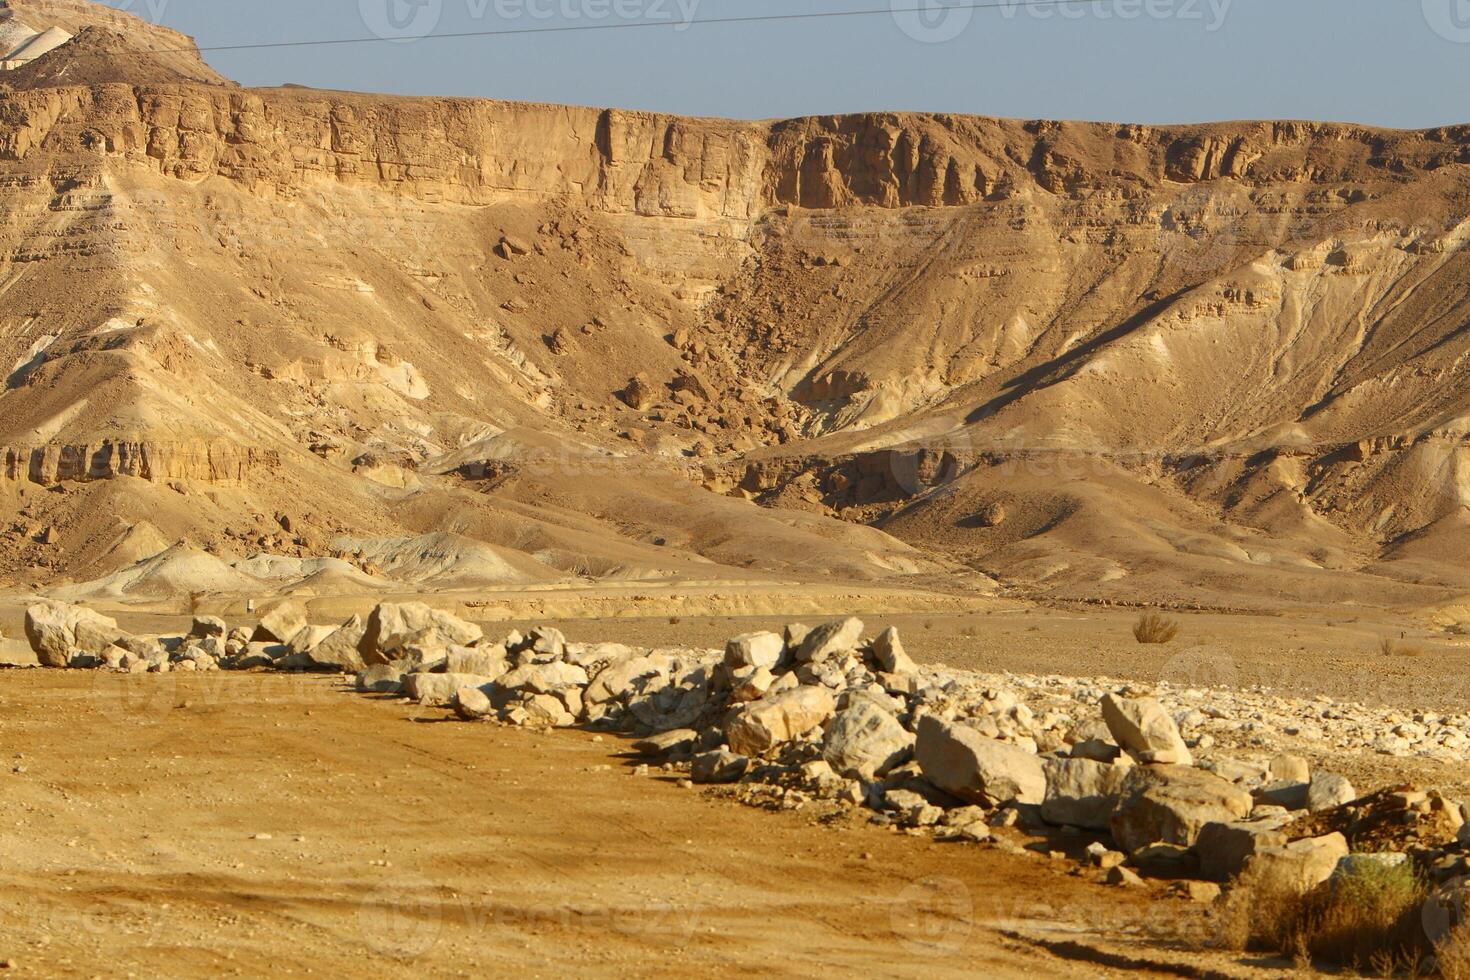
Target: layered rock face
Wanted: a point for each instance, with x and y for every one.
(1087, 358)
(50, 465)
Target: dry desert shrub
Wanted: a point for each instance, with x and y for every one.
(1367, 920)
(1453, 954)
(1154, 628)
(1397, 648)
(1256, 914)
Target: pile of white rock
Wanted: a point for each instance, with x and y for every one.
(1259, 718)
(827, 714)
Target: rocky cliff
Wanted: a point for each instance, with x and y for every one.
(1103, 360)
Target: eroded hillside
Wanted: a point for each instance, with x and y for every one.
(448, 341)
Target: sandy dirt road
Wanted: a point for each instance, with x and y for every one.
(265, 825)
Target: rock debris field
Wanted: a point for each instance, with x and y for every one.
(1191, 785)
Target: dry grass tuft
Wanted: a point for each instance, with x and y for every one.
(1398, 648)
(1368, 920)
(1154, 628)
(1453, 954)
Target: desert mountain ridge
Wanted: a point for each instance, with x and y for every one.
(343, 341)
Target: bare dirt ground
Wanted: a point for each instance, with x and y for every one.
(260, 825)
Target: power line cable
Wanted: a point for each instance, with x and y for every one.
(932, 8)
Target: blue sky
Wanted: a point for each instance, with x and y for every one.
(1386, 62)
